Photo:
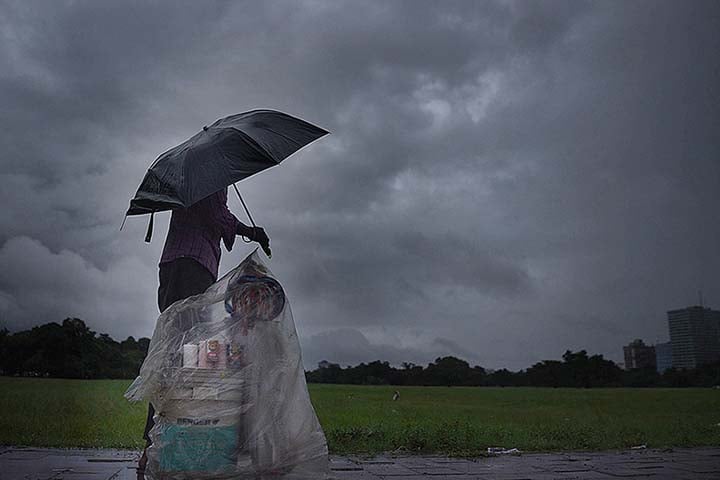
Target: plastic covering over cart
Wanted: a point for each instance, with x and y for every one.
(225, 376)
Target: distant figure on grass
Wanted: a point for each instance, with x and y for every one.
(190, 259)
(396, 395)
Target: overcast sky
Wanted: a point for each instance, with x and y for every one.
(504, 180)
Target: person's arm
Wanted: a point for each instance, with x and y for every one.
(255, 234)
(230, 226)
(219, 217)
(244, 230)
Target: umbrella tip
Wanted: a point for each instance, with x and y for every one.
(205, 128)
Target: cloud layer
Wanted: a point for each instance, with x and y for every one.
(504, 180)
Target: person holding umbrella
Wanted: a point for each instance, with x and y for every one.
(190, 259)
(191, 179)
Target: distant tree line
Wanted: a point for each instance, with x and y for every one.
(72, 350)
(69, 350)
(576, 369)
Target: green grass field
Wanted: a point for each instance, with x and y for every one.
(457, 420)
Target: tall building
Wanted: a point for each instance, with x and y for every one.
(663, 356)
(639, 355)
(695, 336)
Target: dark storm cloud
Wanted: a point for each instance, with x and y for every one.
(504, 180)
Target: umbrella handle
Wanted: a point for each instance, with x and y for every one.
(267, 252)
(244, 206)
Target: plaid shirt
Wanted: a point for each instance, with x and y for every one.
(195, 232)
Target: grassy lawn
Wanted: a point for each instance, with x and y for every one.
(457, 420)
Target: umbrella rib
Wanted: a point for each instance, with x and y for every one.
(292, 140)
(255, 144)
(225, 157)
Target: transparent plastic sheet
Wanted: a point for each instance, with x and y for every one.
(225, 376)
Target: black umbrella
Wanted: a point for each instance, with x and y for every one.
(229, 150)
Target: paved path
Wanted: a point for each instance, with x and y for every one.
(676, 464)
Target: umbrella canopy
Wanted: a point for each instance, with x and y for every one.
(229, 150)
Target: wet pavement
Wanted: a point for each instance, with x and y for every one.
(17, 463)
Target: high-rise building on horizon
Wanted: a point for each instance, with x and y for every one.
(695, 336)
(639, 355)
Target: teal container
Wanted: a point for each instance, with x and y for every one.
(198, 448)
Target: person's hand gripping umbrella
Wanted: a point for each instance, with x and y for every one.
(229, 150)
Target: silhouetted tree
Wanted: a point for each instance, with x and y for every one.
(503, 378)
(548, 373)
(69, 350)
(447, 371)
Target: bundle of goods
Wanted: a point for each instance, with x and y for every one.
(225, 376)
